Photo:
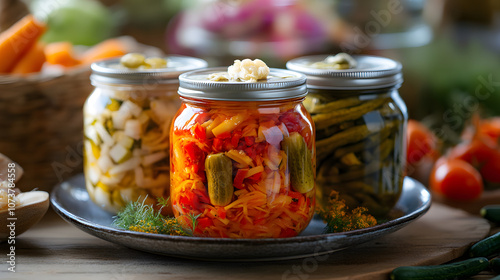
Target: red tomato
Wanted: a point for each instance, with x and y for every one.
(477, 151)
(491, 128)
(456, 179)
(420, 141)
(491, 169)
(240, 176)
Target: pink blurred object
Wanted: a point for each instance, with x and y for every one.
(255, 28)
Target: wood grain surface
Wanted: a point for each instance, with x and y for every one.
(54, 249)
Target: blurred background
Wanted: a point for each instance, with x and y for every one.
(449, 48)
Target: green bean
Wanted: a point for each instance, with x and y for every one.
(338, 116)
(325, 147)
(357, 173)
(316, 108)
(350, 135)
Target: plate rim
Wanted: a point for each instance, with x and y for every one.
(82, 222)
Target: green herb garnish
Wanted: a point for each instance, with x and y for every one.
(141, 217)
(338, 218)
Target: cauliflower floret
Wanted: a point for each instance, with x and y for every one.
(248, 70)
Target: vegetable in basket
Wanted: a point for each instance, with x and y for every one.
(80, 22)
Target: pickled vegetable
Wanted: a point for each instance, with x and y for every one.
(219, 170)
(236, 169)
(301, 171)
(338, 61)
(137, 60)
(126, 147)
(132, 60)
(359, 149)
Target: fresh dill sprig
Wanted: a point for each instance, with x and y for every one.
(162, 201)
(194, 221)
(141, 217)
(339, 219)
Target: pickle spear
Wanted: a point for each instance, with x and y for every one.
(299, 160)
(219, 170)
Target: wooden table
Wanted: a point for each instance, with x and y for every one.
(54, 249)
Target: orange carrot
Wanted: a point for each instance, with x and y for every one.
(32, 61)
(61, 53)
(17, 40)
(106, 49)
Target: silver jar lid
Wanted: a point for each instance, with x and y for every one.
(112, 72)
(280, 84)
(371, 72)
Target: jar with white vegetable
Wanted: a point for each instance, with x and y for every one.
(126, 128)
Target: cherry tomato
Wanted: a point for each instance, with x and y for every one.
(491, 128)
(477, 151)
(491, 169)
(456, 179)
(420, 141)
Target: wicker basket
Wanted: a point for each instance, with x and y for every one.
(42, 125)
(42, 115)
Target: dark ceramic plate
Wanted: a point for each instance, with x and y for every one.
(71, 201)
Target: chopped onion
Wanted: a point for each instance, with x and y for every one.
(152, 158)
(91, 133)
(163, 110)
(88, 152)
(284, 130)
(93, 174)
(119, 118)
(104, 163)
(118, 152)
(273, 135)
(133, 108)
(133, 129)
(106, 138)
(112, 180)
(126, 166)
(102, 199)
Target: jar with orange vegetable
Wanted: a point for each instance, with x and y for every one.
(126, 128)
(242, 154)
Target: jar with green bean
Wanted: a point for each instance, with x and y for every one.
(360, 122)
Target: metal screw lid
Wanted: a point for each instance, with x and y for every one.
(280, 84)
(111, 72)
(371, 72)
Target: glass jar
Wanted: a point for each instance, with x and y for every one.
(126, 131)
(242, 156)
(360, 124)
